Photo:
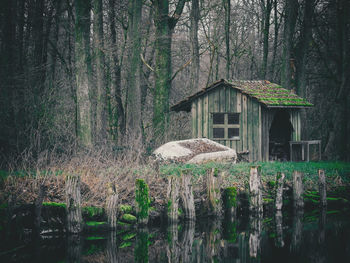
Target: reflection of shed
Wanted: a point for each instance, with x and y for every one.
(255, 116)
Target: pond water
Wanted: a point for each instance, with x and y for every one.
(318, 236)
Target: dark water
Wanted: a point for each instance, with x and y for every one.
(310, 237)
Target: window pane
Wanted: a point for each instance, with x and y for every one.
(233, 133)
(218, 118)
(233, 118)
(218, 132)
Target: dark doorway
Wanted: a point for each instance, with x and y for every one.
(279, 136)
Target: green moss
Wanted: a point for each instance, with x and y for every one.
(125, 244)
(125, 208)
(95, 238)
(129, 218)
(95, 223)
(230, 197)
(123, 224)
(128, 236)
(142, 199)
(54, 204)
(92, 211)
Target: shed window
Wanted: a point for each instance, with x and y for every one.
(226, 126)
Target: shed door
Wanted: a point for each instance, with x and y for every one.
(279, 136)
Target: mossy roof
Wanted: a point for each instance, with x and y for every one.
(269, 94)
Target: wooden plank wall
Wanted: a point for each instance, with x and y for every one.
(295, 120)
(227, 99)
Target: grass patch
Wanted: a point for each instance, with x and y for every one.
(95, 223)
(54, 204)
(95, 238)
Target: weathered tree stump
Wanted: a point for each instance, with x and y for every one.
(187, 197)
(298, 190)
(142, 201)
(38, 206)
(230, 201)
(322, 188)
(73, 204)
(213, 193)
(279, 191)
(173, 199)
(112, 205)
(255, 188)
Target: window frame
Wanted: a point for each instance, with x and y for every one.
(226, 126)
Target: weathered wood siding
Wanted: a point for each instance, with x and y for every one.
(295, 120)
(228, 100)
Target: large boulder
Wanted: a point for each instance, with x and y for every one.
(195, 151)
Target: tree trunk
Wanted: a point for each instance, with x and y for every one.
(101, 85)
(266, 32)
(291, 15)
(164, 30)
(227, 6)
(195, 66)
(83, 72)
(117, 117)
(38, 207)
(133, 117)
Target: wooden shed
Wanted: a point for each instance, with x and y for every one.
(257, 117)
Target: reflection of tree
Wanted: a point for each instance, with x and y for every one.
(187, 241)
(112, 253)
(297, 231)
(141, 247)
(74, 247)
(255, 235)
(279, 229)
(321, 248)
(212, 241)
(173, 249)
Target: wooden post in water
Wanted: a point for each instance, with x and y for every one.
(38, 207)
(173, 199)
(279, 191)
(187, 197)
(298, 190)
(142, 201)
(112, 205)
(322, 188)
(213, 193)
(73, 204)
(255, 204)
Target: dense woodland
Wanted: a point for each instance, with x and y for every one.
(99, 75)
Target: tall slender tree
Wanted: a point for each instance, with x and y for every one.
(83, 71)
(164, 25)
(101, 86)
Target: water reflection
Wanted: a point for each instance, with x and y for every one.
(304, 237)
(279, 242)
(74, 248)
(255, 235)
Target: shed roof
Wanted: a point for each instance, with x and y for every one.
(269, 94)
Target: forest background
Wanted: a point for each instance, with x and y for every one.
(98, 76)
